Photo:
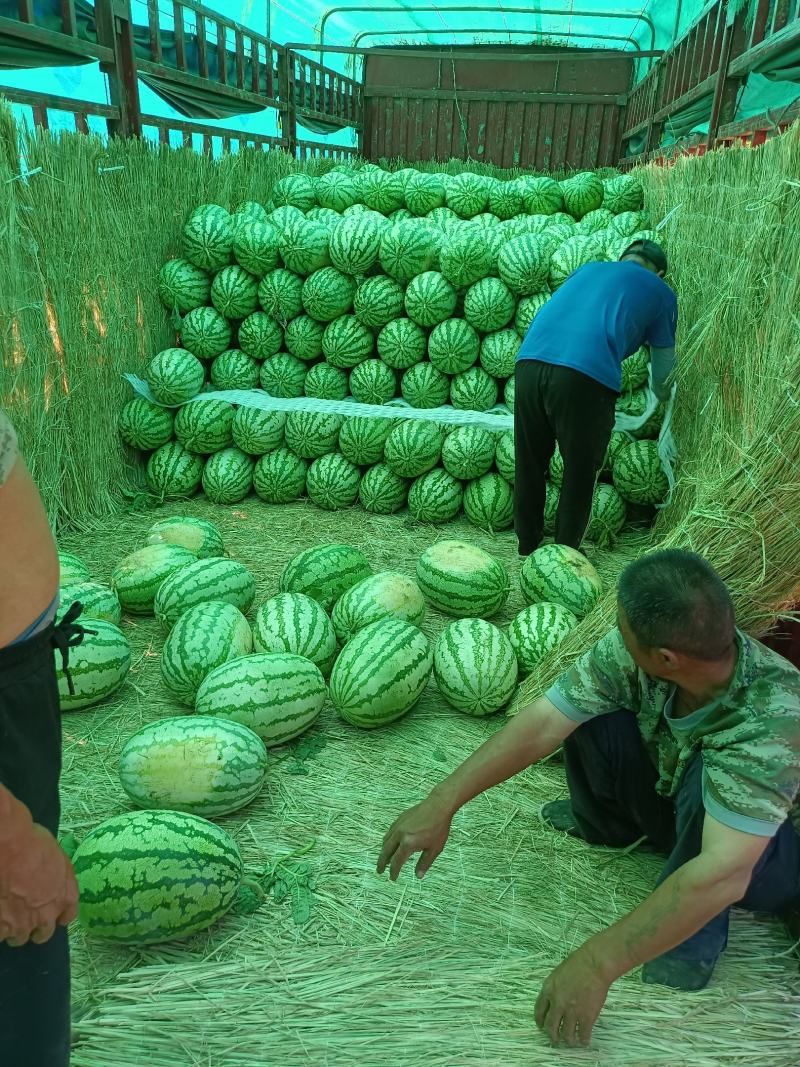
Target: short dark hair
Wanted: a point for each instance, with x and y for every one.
(650, 251)
(675, 599)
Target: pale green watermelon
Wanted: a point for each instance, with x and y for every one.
(560, 575)
(203, 637)
(537, 630)
(293, 622)
(199, 536)
(475, 667)
(386, 595)
(97, 666)
(97, 601)
(461, 579)
(137, 577)
(205, 580)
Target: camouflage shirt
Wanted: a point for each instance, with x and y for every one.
(749, 738)
(8, 447)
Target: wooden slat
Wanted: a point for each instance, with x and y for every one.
(54, 39)
(547, 126)
(202, 46)
(239, 47)
(193, 81)
(680, 102)
(766, 49)
(759, 22)
(780, 16)
(154, 28)
(180, 40)
(40, 116)
(222, 53)
(25, 8)
(60, 103)
(512, 135)
(509, 98)
(81, 122)
(187, 139)
(529, 133)
(255, 66)
(163, 135)
(444, 133)
(68, 21)
(208, 147)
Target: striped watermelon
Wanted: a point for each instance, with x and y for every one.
(608, 516)
(622, 193)
(98, 601)
(98, 666)
(595, 221)
(638, 475)
(347, 342)
(582, 193)
(475, 667)
(325, 382)
(234, 292)
(468, 452)
(489, 503)
(255, 247)
(216, 579)
(527, 310)
(381, 673)
(137, 577)
(204, 426)
(327, 294)
(506, 199)
(617, 442)
(355, 244)
(205, 333)
(635, 370)
(504, 458)
(537, 630)
(552, 495)
(145, 425)
(430, 299)
(499, 352)
(311, 434)
(233, 369)
(556, 467)
(172, 472)
(207, 239)
(378, 301)
(280, 295)
(295, 190)
(408, 249)
(626, 223)
(423, 386)
(325, 572)
(362, 440)
(382, 492)
(293, 622)
(283, 376)
(303, 338)
(260, 336)
(524, 264)
(257, 432)
(386, 595)
(560, 575)
(283, 216)
(402, 343)
(203, 637)
(372, 382)
(279, 476)
(332, 482)
(276, 694)
(541, 196)
(198, 764)
(467, 194)
(151, 876)
(228, 476)
(199, 536)
(324, 217)
(489, 305)
(252, 209)
(453, 346)
(573, 253)
(461, 579)
(174, 376)
(336, 191)
(305, 247)
(435, 497)
(182, 286)
(413, 448)
(466, 257)
(382, 191)
(72, 570)
(473, 390)
(424, 193)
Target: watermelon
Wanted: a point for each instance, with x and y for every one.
(325, 382)
(205, 333)
(325, 572)
(467, 194)
(293, 622)
(257, 432)
(616, 443)
(541, 196)
(182, 286)
(386, 595)
(461, 579)
(372, 382)
(435, 497)
(305, 247)
(413, 448)
(594, 222)
(468, 452)
(151, 876)
(560, 575)
(336, 191)
(137, 577)
(311, 434)
(527, 310)
(622, 193)
(499, 352)
(466, 258)
(504, 458)
(423, 386)
(506, 199)
(97, 601)
(551, 498)
(473, 390)
(255, 247)
(582, 193)
(282, 217)
(424, 192)
(381, 673)
(489, 503)
(198, 764)
(524, 264)
(408, 249)
(453, 346)
(638, 475)
(430, 299)
(260, 336)
(475, 667)
(295, 190)
(607, 517)
(199, 536)
(204, 426)
(72, 570)
(174, 376)
(234, 292)
(303, 338)
(445, 219)
(573, 253)
(382, 492)
(626, 223)
(635, 370)
(172, 472)
(382, 191)
(556, 467)
(355, 244)
(489, 305)
(228, 476)
(280, 295)
(324, 216)
(347, 342)
(537, 630)
(276, 694)
(204, 636)
(252, 209)
(362, 440)
(332, 482)
(327, 294)
(233, 369)
(145, 425)
(283, 376)
(279, 476)
(207, 239)
(97, 666)
(402, 343)
(378, 301)
(205, 580)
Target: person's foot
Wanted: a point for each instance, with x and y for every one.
(688, 975)
(559, 815)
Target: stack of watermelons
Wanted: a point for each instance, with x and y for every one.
(377, 285)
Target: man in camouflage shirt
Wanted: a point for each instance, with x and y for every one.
(676, 727)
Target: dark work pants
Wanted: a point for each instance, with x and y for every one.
(34, 979)
(612, 789)
(557, 405)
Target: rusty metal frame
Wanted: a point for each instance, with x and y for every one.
(635, 52)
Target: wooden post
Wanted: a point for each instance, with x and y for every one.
(726, 89)
(655, 129)
(115, 31)
(286, 95)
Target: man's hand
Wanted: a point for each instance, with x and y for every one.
(571, 999)
(423, 828)
(38, 890)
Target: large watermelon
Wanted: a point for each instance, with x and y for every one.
(203, 637)
(137, 577)
(72, 570)
(199, 536)
(638, 475)
(173, 472)
(182, 286)
(260, 336)
(279, 476)
(206, 333)
(372, 382)
(408, 249)
(423, 386)
(355, 244)
(362, 440)
(347, 342)
(97, 601)
(325, 572)
(572, 254)
(233, 369)
(305, 247)
(145, 425)
(473, 390)
(303, 338)
(541, 195)
(382, 492)
(504, 458)
(325, 382)
(468, 452)
(453, 346)
(207, 240)
(281, 295)
(607, 517)
(327, 294)
(402, 343)
(560, 575)
(537, 630)
(332, 482)
(467, 194)
(430, 299)
(283, 376)
(295, 190)
(524, 264)
(204, 425)
(255, 247)
(228, 476)
(205, 580)
(489, 502)
(311, 434)
(466, 257)
(378, 301)
(97, 666)
(475, 667)
(257, 432)
(386, 595)
(424, 193)
(461, 579)
(413, 448)
(174, 376)
(527, 310)
(489, 305)
(582, 193)
(435, 497)
(234, 292)
(293, 622)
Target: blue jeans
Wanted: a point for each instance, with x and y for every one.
(612, 789)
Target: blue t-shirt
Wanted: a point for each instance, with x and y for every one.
(601, 315)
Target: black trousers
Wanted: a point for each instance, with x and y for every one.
(612, 785)
(557, 405)
(34, 979)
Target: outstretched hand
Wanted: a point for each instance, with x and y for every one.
(423, 828)
(571, 999)
(38, 890)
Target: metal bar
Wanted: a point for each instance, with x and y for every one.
(155, 31)
(506, 57)
(635, 51)
(508, 97)
(180, 40)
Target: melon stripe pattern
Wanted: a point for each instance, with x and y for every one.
(475, 667)
(638, 475)
(293, 622)
(468, 452)
(99, 602)
(137, 577)
(435, 497)
(332, 482)
(325, 572)
(382, 492)
(98, 666)
(228, 476)
(72, 570)
(560, 575)
(461, 579)
(204, 637)
(199, 536)
(174, 376)
(145, 425)
(173, 472)
(280, 477)
(381, 596)
(200, 582)
(152, 876)
(489, 503)
(537, 630)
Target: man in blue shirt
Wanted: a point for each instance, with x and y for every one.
(568, 379)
